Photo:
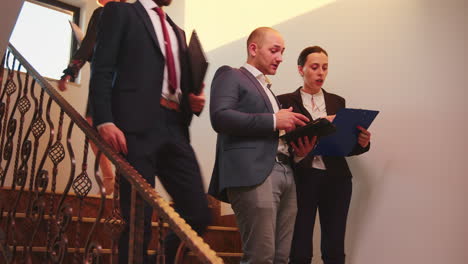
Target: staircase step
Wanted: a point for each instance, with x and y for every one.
(39, 252)
(219, 238)
(223, 239)
(223, 236)
(91, 205)
(228, 258)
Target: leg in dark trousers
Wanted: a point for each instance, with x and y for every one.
(178, 171)
(166, 153)
(144, 166)
(307, 188)
(333, 211)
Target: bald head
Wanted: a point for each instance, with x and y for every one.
(265, 47)
(259, 34)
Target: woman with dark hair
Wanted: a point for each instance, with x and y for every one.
(81, 56)
(323, 183)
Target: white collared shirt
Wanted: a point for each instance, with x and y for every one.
(315, 105)
(262, 80)
(149, 5)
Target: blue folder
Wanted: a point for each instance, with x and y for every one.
(342, 142)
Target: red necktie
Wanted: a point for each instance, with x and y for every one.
(171, 72)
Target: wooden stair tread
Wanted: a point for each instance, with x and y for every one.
(109, 251)
(91, 204)
(222, 236)
(154, 224)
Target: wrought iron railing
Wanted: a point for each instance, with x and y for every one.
(43, 198)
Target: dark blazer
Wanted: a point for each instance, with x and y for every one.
(336, 166)
(247, 143)
(128, 69)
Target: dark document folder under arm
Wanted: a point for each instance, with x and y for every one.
(198, 63)
(342, 142)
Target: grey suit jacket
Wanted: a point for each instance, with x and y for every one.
(241, 114)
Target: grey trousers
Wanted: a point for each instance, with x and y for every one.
(265, 215)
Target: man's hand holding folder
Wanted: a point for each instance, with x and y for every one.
(303, 146)
(319, 127)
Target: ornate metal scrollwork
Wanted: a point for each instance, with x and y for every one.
(24, 105)
(42, 180)
(8, 151)
(37, 209)
(58, 249)
(82, 185)
(20, 179)
(57, 153)
(2, 114)
(2, 110)
(22, 174)
(10, 86)
(115, 224)
(2, 175)
(93, 254)
(38, 127)
(64, 217)
(4, 249)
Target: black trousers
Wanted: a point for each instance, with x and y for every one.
(168, 154)
(330, 195)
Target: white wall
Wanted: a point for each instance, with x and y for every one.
(407, 59)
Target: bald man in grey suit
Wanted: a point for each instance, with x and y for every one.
(252, 169)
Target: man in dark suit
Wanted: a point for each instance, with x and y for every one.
(140, 90)
(252, 169)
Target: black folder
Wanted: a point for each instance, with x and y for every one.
(198, 62)
(319, 127)
(344, 140)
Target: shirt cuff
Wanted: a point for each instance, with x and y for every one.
(274, 122)
(104, 124)
(298, 159)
